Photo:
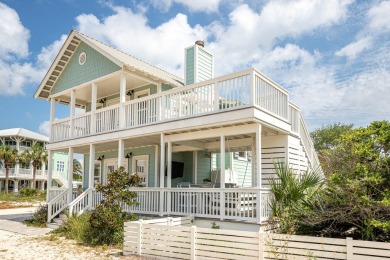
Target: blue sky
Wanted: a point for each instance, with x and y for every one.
(332, 55)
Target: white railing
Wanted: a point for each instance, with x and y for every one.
(11, 172)
(82, 125)
(57, 205)
(54, 192)
(81, 203)
(245, 88)
(271, 97)
(294, 118)
(60, 130)
(107, 119)
(25, 172)
(249, 204)
(58, 176)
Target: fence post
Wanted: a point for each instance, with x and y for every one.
(193, 242)
(139, 246)
(169, 221)
(349, 248)
(261, 245)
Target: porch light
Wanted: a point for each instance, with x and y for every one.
(206, 156)
(102, 101)
(101, 158)
(129, 155)
(130, 92)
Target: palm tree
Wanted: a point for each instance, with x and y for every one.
(36, 154)
(292, 192)
(9, 157)
(77, 170)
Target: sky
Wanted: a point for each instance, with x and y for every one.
(333, 56)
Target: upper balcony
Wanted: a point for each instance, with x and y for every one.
(244, 89)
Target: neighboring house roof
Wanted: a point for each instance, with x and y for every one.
(120, 58)
(21, 132)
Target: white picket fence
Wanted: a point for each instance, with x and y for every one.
(174, 238)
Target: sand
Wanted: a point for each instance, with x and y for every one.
(17, 246)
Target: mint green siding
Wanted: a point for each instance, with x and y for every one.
(63, 157)
(205, 65)
(243, 171)
(190, 66)
(150, 150)
(74, 74)
(165, 87)
(204, 167)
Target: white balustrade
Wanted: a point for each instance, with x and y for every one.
(25, 172)
(54, 192)
(81, 203)
(294, 119)
(82, 125)
(107, 119)
(142, 111)
(60, 130)
(57, 205)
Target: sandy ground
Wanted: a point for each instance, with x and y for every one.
(17, 246)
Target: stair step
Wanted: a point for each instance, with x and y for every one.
(52, 225)
(63, 216)
(58, 221)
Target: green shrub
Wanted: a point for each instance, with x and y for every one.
(28, 192)
(76, 227)
(39, 218)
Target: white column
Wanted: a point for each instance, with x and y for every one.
(17, 166)
(72, 111)
(222, 179)
(162, 160)
(16, 185)
(253, 163)
(91, 166)
(169, 165)
(258, 157)
(222, 162)
(52, 115)
(195, 169)
(122, 100)
(93, 107)
(70, 174)
(50, 174)
(156, 184)
(42, 185)
(121, 153)
(169, 173)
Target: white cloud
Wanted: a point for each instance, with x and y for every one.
(379, 17)
(13, 35)
(162, 46)
(193, 5)
(352, 50)
(44, 128)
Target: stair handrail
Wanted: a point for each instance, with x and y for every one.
(57, 204)
(78, 200)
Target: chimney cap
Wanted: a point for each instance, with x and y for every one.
(200, 43)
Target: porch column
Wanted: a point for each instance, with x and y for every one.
(169, 175)
(258, 175)
(52, 115)
(258, 157)
(72, 111)
(253, 162)
(50, 174)
(16, 185)
(195, 169)
(121, 153)
(222, 179)
(162, 170)
(70, 174)
(91, 166)
(93, 107)
(122, 100)
(42, 185)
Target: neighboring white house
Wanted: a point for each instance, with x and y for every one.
(21, 175)
(173, 132)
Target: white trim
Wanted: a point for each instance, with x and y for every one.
(82, 58)
(142, 93)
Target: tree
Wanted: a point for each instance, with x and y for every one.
(292, 192)
(36, 154)
(77, 170)
(326, 137)
(108, 217)
(9, 157)
(356, 201)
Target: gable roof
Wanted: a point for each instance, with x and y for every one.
(120, 58)
(21, 132)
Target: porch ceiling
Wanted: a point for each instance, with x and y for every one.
(107, 87)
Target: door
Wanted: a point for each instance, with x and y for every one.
(110, 165)
(141, 167)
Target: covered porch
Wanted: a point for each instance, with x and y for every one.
(181, 172)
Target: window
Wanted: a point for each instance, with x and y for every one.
(82, 58)
(26, 143)
(96, 173)
(10, 142)
(60, 166)
(243, 155)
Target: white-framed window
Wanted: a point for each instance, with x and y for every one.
(10, 142)
(243, 155)
(26, 143)
(82, 58)
(60, 166)
(97, 173)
